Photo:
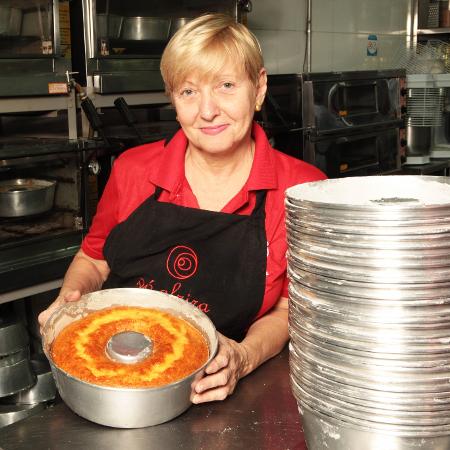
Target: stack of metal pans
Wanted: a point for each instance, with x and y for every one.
(369, 311)
(24, 384)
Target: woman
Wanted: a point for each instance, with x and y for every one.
(202, 216)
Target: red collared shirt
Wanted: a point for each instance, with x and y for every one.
(137, 171)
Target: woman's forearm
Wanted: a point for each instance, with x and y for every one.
(84, 274)
(267, 336)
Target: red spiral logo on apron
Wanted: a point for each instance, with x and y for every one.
(182, 262)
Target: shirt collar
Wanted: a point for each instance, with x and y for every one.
(170, 175)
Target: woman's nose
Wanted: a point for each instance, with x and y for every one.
(209, 107)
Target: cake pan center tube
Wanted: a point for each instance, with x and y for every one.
(129, 347)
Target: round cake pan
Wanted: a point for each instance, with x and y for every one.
(343, 412)
(138, 407)
(357, 310)
(422, 362)
(15, 378)
(365, 397)
(389, 194)
(369, 308)
(42, 391)
(376, 383)
(322, 431)
(13, 358)
(375, 414)
(373, 293)
(370, 259)
(402, 334)
(13, 335)
(397, 241)
(10, 414)
(26, 196)
(382, 344)
(321, 223)
(379, 274)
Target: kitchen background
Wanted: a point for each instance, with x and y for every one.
(340, 31)
(75, 93)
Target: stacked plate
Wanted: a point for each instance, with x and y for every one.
(369, 311)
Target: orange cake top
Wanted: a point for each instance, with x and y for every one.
(179, 348)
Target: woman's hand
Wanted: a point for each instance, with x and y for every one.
(222, 373)
(68, 296)
(236, 360)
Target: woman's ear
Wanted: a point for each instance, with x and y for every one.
(261, 87)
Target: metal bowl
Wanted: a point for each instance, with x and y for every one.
(126, 407)
(26, 196)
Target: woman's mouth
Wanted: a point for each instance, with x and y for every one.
(213, 130)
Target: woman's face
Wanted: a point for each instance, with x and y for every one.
(216, 112)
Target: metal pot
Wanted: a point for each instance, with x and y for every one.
(419, 141)
(126, 407)
(26, 196)
(10, 21)
(145, 29)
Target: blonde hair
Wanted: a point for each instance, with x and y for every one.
(206, 44)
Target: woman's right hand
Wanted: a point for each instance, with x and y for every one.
(68, 296)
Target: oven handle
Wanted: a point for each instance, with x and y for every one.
(331, 95)
(333, 90)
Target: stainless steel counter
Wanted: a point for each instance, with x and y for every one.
(261, 415)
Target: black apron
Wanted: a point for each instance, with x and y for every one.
(213, 260)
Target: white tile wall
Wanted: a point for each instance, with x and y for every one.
(278, 15)
(340, 31)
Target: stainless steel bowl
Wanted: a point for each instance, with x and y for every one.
(126, 407)
(26, 196)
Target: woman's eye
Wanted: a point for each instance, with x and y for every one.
(186, 92)
(228, 85)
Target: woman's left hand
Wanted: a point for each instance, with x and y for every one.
(222, 373)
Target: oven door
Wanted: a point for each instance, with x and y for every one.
(355, 155)
(351, 101)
